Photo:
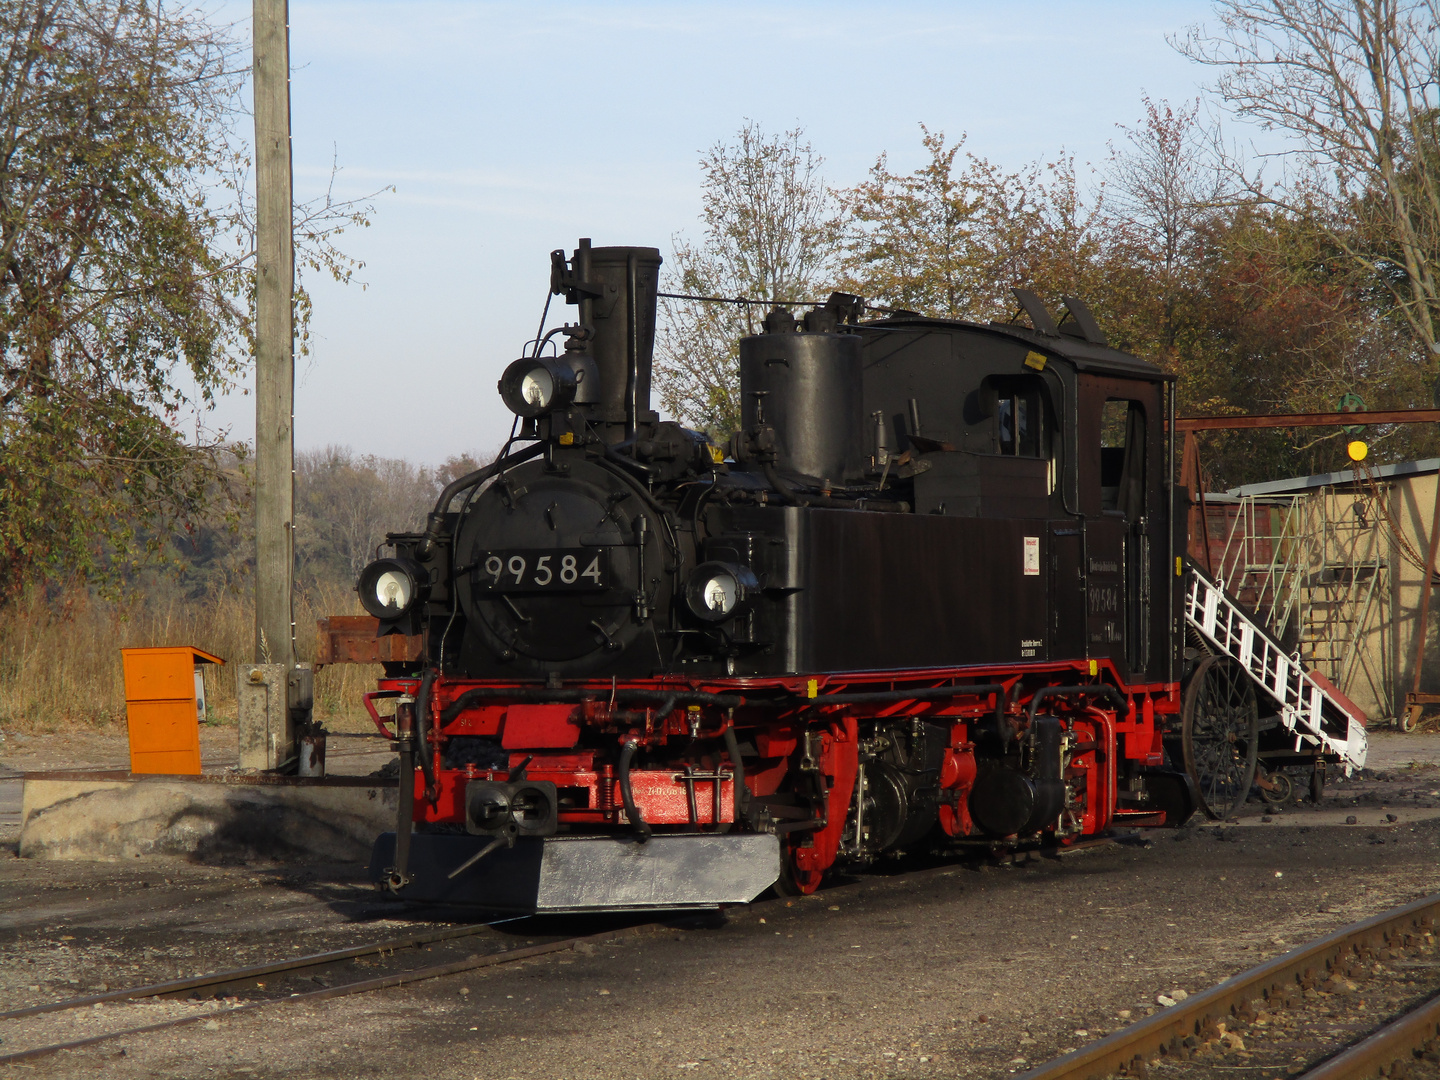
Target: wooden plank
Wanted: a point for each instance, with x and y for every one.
(351, 639)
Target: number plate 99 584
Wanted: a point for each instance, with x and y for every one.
(543, 570)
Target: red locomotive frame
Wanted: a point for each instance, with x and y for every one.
(542, 740)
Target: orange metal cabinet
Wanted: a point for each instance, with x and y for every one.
(164, 700)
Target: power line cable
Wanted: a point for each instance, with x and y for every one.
(758, 303)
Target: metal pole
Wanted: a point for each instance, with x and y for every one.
(1190, 467)
(1172, 616)
(1280, 420)
(1413, 706)
(265, 730)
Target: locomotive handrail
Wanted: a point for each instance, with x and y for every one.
(579, 695)
(435, 522)
(1303, 700)
(369, 701)
(919, 693)
(796, 498)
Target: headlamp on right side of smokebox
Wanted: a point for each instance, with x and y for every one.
(392, 588)
(535, 385)
(717, 591)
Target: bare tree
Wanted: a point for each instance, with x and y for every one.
(1354, 84)
(1167, 182)
(771, 231)
(346, 503)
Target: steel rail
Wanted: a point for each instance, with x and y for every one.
(382, 982)
(1395, 1041)
(220, 978)
(1147, 1038)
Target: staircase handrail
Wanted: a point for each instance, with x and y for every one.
(1306, 707)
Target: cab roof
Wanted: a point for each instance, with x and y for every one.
(1084, 356)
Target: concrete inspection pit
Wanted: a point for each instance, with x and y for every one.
(110, 816)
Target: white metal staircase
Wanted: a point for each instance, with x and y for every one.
(1310, 707)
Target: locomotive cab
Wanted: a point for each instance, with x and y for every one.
(1037, 520)
(1065, 435)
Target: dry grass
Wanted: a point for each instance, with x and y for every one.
(60, 661)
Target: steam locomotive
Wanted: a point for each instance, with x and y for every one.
(928, 596)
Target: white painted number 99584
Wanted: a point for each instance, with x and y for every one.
(514, 570)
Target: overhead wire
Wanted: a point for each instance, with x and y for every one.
(758, 303)
(738, 300)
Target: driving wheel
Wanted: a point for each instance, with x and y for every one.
(1220, 731)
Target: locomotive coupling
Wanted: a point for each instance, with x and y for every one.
(506, 810)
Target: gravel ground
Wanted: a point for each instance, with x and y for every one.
(974, 970)
(1271, 1036)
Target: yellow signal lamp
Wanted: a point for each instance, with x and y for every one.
(1356, 450)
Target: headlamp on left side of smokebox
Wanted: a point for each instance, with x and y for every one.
(392, 588)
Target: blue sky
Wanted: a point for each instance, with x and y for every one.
(511, 129)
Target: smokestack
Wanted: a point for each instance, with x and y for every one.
(618, 286)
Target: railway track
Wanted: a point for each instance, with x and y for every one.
(1360, 1003)
(269, 985)
(240, 990)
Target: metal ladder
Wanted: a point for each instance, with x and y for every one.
(1308, 707)
(1310, 568)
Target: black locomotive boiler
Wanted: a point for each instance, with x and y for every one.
(928, 595)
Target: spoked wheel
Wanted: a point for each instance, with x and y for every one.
(1282, 787)
(1220, 730)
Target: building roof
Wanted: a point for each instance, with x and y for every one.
(1297, 484)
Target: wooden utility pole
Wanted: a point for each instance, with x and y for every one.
(266, 737)
(274, 337)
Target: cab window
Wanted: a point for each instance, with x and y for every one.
(1020, 421)
(1122, 457)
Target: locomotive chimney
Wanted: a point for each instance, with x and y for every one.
(616, 288)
